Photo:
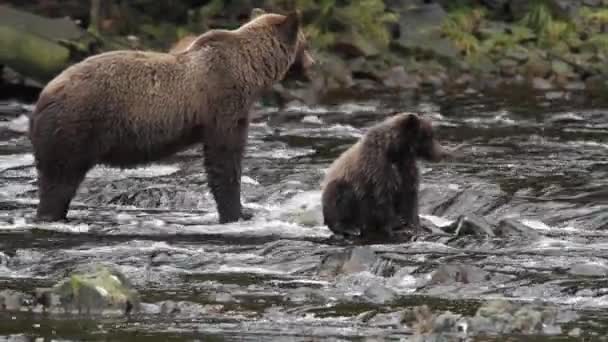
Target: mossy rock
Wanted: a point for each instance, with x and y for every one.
(354, 45)
(98, 288)
(537, 67)
(420, 32)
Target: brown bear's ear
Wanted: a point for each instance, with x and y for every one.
(291, 26)
(256, 12)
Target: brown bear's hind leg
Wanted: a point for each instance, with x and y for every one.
(55, 194)
(342, 209)
(223, 159)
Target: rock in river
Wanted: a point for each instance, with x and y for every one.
(95, 289)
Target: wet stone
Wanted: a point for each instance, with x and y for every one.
(566, 118)
(94, 289)
(450, 274)
(4, 259)
(589, 270)
(508, 67)
(470, 225)
(512, 227)
(386, 320)
(186, 308)
(576, 332)
(379, 294)
(539, 83)
(555, 95)
(348, 261)
(397, 77)
(11, 300)
(579, 85)
(223, 298)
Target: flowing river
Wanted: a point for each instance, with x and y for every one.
(542, 165)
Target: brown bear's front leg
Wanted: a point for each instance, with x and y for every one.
(55, 195)
(223, 157)
(408, 209)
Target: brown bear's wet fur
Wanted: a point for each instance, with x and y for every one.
(371, 190)
(126, 108)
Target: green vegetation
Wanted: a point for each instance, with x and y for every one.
(476, 35)
(364, 39)
(461, 27)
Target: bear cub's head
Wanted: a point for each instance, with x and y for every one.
(290, 29)
(412, 137)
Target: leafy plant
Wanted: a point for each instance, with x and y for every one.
(550, 31)
(594, 16)
(318, 30)
(599, 42)
(368, 18)
(461, 26)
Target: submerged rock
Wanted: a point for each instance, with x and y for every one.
(470, 225)
(419, 28)
(348, 261)
(497, 317)
(589, 270)
(466, 274)
(11, 300)
(397, 77)
(539, 83)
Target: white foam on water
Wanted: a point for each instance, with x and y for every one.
(20, 224)
(281, 153)
(502, 117)
(547, 243)
(15, 160)
(18, 125)
(140, 172)
(352, 107)
(245, 269)
(336, 130)
(6, 272)
(249, 180)
(438, 221)
(588, 143)
(312, 119)
(259, 227)
(302, 108)
(301, 281)
(539, 225)
(130, 247)
(11, 190)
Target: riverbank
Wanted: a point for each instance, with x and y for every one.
(550, 48)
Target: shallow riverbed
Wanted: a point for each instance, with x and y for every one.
(267, 279)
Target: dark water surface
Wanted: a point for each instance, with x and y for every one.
(544, 166)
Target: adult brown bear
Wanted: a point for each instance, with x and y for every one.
(127, 108)
(371, 191)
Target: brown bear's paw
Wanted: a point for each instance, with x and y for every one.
(246, 214)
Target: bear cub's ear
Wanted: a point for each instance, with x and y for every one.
(291, 26)
(411, 123)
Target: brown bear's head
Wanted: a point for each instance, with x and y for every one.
(290, 28)
(414, 137)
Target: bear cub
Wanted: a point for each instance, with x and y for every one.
(371, 191)
(127, 108)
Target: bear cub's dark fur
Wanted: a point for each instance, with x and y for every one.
(371, 191)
